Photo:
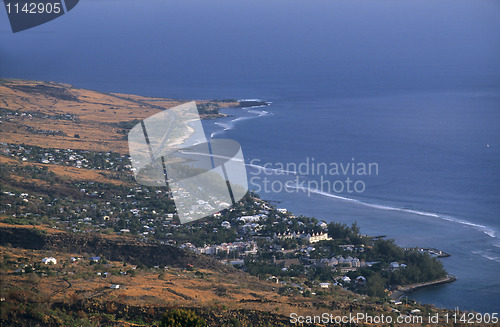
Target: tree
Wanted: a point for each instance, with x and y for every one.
(355, 228)
(375, 286)
(182, 318)
(337, 230)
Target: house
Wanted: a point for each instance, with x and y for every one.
(324, 285)
(347, 247)
(249, 219)
(226, 224)
(360, 280)
(356, 263)
(345, 270)
(396, 266)
(95, 259)
(322, 262)
(288, 234)
(274, 279)
(352, 262)
(114, 286)
(346, 279)
(316, 237)
(49, 261)
(323, 225)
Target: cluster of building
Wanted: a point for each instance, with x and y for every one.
(341, 264)
(66, 157)
(236, 248)
(310, 237)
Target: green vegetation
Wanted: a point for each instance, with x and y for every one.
(182, 318)
(39, 196)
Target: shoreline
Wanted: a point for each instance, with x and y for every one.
(408, 289)
(124, 112)
(403, 290)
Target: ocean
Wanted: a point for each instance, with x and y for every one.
(411, 88)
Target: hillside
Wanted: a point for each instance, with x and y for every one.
(61, 116)
(152, 279)
(67, 192)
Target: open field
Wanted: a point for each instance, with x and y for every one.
(54, 115)
(155, 289)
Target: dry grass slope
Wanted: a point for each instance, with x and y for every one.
(93, 116)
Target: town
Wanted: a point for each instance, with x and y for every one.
(302, 255)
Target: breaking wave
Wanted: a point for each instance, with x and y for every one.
(490, 231)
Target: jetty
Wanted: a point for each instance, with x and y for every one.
(432, 251)
(405, 289)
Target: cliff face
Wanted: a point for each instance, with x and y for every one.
(112, 248)
(28, 238)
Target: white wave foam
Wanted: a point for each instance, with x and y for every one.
(248, 109)
(241, 119)
(250, 100)
(226, 126)
(259, 113)
(485, 229)
(488, 256)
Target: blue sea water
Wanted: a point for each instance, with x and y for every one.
(412, 86)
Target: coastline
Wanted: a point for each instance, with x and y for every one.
(403, 290)
(145, 102)
(408, 289)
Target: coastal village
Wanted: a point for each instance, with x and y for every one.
(53, 187)
(300, 254)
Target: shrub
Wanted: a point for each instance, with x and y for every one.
(182, 318)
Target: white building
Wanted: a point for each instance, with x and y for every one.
(324, 285)
(49, 261)
(346, 279)
(361, 279)
(323, 225)
(288, 234)
(316, 237)
(249, 219)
